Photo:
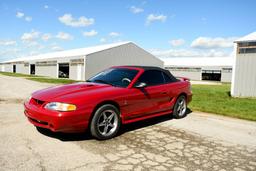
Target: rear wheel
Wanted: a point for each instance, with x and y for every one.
(180, 107)
(105, 122)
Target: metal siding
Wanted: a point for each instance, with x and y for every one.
(50, 71)
(245, 76)
(20, 68)
(128, 54)
(2, 67)
(72, 72)
(226, 76)
(195, 75)
(76, 72)
(8, 67)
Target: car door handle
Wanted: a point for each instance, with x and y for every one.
(164, 92)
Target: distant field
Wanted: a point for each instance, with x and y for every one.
(216, 99)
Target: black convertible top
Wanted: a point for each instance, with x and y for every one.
(146, 68)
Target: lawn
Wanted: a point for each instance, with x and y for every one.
(17, 74)
(41, 79)
(216, 99)
(52, 80)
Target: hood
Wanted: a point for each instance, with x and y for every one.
(68, 91)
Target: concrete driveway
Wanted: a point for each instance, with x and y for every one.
(198, 142)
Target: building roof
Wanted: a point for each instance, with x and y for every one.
(198, 61)
(69, 53)
(248, 38)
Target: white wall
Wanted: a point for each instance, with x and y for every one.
(20, 68)
(50, 71)
(244, 78)
(76, 72)
(226, 75)
(193, 75)
(8, 68)
(2, 68)
(128, 54)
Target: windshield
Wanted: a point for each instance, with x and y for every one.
(120, 77)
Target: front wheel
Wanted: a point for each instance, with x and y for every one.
(105, 122)
(180, 107)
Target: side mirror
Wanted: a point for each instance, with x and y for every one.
(140, 85)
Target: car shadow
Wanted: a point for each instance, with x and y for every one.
(65, 136)
(124, 129)
(148, 122)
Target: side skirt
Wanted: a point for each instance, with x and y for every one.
(147, 117)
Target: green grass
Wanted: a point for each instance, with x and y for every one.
(17, 74)
(52, 80)
(41, 79)
(216, 99)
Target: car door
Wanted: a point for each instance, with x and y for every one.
(150, 99)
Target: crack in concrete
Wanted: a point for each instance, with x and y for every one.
(162, 148)
(36, 154)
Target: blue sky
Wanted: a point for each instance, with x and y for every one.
(167, 28)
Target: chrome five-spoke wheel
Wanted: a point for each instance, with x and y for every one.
(180, 107)
(105, 122)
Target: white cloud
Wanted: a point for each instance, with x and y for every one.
(57, 48)
(114, 34)
(32, 53)
(46, 6)
(31, 36)
(152, 18)
(211, 43)
(82, 21)
(19, 14)
(103, 40)
(191, 53)
(46, 36)
(32, 44)
(64, 36)
(28, 18)
(136, 10)
(8, 54)
(22, 15)
(177, 42)
(8, 42)
(90, 33)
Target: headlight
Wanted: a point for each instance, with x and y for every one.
(60, 106)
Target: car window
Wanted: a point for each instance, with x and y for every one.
(120, 77)
(152, 77)
(167, 79)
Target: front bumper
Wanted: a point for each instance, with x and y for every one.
(74, 121)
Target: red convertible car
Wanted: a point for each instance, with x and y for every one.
(118, 95)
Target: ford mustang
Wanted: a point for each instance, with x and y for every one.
(115, 96)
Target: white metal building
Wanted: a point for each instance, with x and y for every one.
(81, 64)
(244, 75)
(201, 68)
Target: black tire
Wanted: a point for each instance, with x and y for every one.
(105, 122)
(180, 107)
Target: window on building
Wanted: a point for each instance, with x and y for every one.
(247, 47)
